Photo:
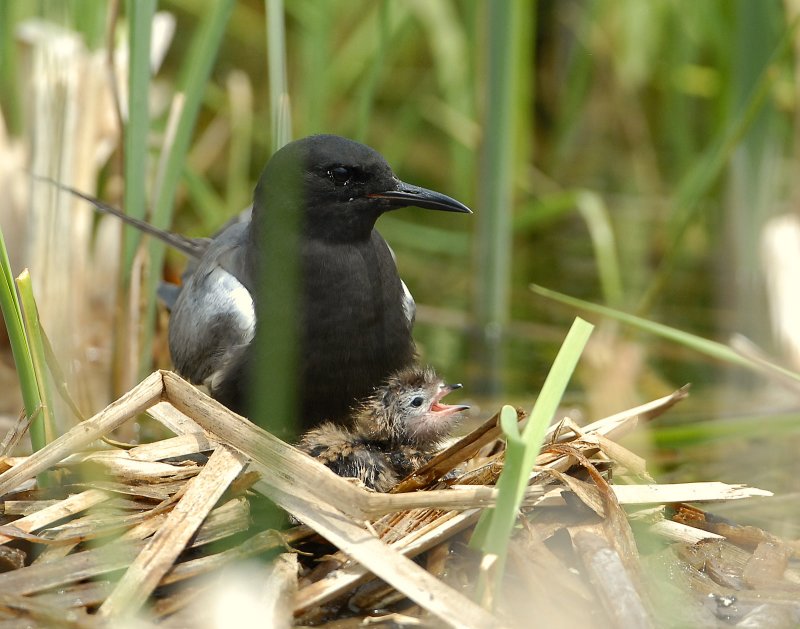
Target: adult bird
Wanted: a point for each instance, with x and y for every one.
(354, 314)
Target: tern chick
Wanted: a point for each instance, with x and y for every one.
(394, 431)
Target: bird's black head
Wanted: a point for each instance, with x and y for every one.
(342, 186)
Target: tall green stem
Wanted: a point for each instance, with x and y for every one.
(494, 230)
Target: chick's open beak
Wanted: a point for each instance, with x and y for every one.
(446, 409)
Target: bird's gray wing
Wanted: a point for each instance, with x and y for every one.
(242, 217)
(213, 320)
(168, 293)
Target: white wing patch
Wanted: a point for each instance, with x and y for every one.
(409, 306)
(233, 299)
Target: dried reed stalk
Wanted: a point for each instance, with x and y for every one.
(170, 503)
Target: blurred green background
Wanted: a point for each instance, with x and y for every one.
(636, 154)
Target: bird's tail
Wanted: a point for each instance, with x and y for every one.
(192, 247)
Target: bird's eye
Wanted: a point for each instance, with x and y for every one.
(417, 401)
(340, 175)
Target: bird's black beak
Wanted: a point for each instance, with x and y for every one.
(405, 194)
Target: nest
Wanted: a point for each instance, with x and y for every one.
(138, 537)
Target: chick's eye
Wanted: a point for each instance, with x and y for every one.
(417, 402)
(340, 175)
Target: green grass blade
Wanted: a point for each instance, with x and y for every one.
(202, 53)
(449, 31)
(43, 429)
(60, 380)
(274, 395)
(140, 18)
(89, 18)
(366, 96)
(544, 210)
(278, 84)
(12, 314)
(10, 97)
(595, 215)
(494, 529)
(424, 238)
(579, 66)
(716, 432)
(347, 67)
(710, 348)
(209, 207)
(493, 229)
(313, 95)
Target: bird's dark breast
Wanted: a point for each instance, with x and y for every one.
(354, 332)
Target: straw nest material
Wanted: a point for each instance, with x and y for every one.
(109, 532)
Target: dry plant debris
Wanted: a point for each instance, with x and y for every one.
(130, 531)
